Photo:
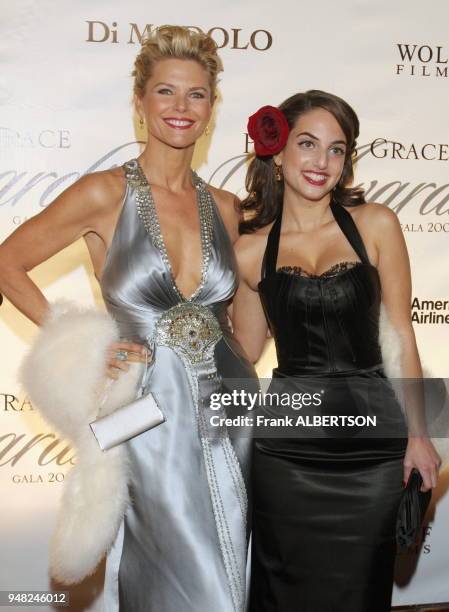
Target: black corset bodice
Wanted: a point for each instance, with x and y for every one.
(327, 323)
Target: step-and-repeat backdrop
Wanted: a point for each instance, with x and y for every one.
(66, 109)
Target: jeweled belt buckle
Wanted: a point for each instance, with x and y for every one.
(191, 329)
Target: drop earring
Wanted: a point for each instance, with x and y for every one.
(278, 174)
(207, 130)
(141, 122)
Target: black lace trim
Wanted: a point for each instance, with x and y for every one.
(334, 270)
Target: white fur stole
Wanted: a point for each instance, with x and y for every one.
(64, 375)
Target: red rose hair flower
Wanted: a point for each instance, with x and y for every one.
(268, 128)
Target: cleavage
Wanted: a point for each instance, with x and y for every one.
(176, 234)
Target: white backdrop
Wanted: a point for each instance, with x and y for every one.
(65, 96)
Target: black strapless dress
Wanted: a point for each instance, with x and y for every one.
(325, 508)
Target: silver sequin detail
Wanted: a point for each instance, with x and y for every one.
(235, 578)
(190, 329)
(147, 211)
(233, 465)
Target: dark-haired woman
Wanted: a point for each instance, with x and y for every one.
(315, 261)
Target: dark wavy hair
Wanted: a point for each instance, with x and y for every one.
(265, 197)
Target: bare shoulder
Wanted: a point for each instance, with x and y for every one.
(101, 188)
(373, 218)
(373, 212)
(253, 242)
(222, 196)
(250, 249)
(228, 205)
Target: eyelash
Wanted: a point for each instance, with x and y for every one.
(196, 94)
(339, 150)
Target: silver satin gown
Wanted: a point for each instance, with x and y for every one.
(182, 545)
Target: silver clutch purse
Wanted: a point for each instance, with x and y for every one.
(128, 421)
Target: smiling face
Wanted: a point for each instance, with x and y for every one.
(177, 102)
(314, 156)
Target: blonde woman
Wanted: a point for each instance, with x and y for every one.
(160, 241)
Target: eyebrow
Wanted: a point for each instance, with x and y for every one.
(174, 86)
(316, 138)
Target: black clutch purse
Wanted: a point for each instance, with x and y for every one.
(413, 506)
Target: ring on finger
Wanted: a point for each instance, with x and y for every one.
(121, 355)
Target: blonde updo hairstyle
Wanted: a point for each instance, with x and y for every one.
(180, 43)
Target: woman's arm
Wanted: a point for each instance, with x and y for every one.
(248, 318)
(77, 211)
(395, 277)
(86, 206)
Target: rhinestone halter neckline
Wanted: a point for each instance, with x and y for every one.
(146, 209)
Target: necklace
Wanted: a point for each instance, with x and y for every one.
(147, 211)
